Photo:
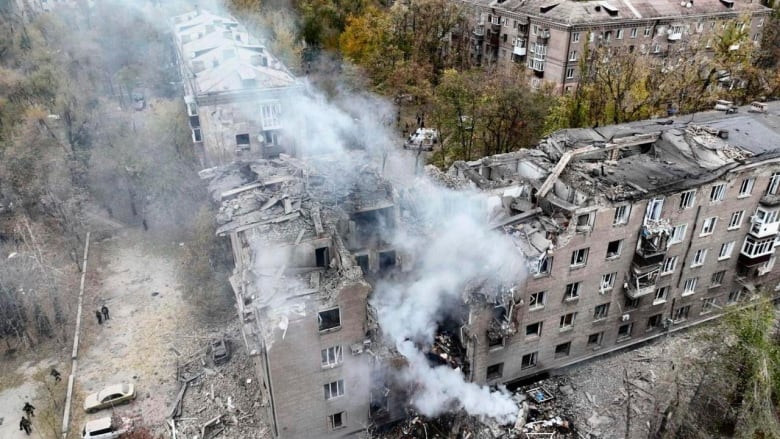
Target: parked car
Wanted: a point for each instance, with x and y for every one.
(220, 351)
(106, 428)
(422, 138)
(109, 397)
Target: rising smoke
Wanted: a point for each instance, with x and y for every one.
(457, 249)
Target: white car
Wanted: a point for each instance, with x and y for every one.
(106, 428)
(109, 397)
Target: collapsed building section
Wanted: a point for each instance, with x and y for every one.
(305, 236)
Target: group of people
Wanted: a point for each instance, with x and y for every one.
(102, 314)
(26, 423)
(29, 409)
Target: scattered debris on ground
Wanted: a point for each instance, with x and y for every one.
(216, 399)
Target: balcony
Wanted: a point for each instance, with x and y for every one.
(653, 241)
(479, 32)
(535, 64)
(770, 200)
(642, 281)
(674, 36)
(756, 250)
(520, 51)
(763, 230)
(495, 26)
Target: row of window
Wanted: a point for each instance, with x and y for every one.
(596, 339)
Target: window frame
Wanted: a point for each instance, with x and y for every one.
(689, 286)
(735, 221)
(562, 350)
(622, 215)
(716, 278)
(628, 331)
(746, 187)
(661, 295)
(717, 192)
(601, 311)
(532, 359)
(539, 326)
(332, 421)
(535, 306)
(728, 247)
(576, 255)
(329, 387)
(711, 222)
(572, 291)
(332, 356)
(687, 199)
(699, 258)
(567, 321)
(673, 239)
(670, 260)
(614, 255)
(332, 328)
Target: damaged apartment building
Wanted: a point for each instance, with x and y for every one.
(630, 231)
(234, 89)
(307, 235)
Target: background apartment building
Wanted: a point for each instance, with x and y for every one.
(234, 89)
(640, 231)
(550, 38)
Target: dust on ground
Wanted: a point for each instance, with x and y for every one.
(30, 386)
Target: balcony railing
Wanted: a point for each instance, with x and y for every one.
(520, 51)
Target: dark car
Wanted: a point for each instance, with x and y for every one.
(220, 351)
(138, 100)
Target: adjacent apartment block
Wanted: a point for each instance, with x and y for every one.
(233, 89)
(550, 37)
(628, 231)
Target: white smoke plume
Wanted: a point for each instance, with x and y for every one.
(458, 249)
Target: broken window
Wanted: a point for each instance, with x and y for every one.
(579, 257)
(495, 371)
(337, 420)
(533, 330)
(584, 220)
(681, 313)
(329, 319)
(734, 297)
(362, 261)
(624, 331)
(654, 208)
(746, 188)
(495, 342)
(669, 265)
(718, 192)
(736, 219)
(699, 257)
(331, 356)
(690, 285)
(632, 303)
(613, 248)
(621, 215)
(717, 278)
(708, 226)
(594, 340)
(322, 255)
(678, 233)
(607, 282)
(196, 135)
(572, 291)
(562, 350)
(536, 300)
(654, 322)
(661, 294)
(528, 360)
(544, 266)
(707, 305)
(242, 140)
(334, 389)
(386, 260)
(725, 250)
(687, 199)
(774, 184)
(567, 320)
(601, 311)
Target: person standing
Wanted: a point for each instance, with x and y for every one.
(104, 310)
(56, 374)
(99, 317)
(29, 409)
(25, 425)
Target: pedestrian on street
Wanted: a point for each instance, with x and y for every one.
(104, 310)
(25, 425)
(29, 409)
(56, 374)
(99, 317)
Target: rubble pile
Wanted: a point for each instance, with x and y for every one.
(218, 400)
